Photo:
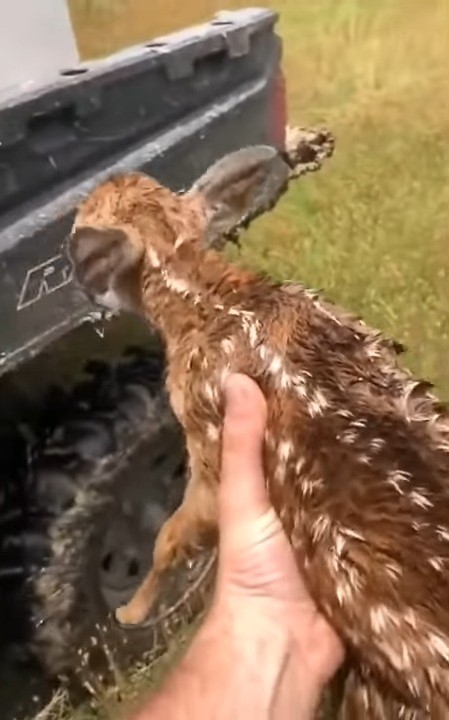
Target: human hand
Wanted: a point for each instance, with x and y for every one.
(264, 650)
(258, 574)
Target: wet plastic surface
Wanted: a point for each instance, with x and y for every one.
(170, 108)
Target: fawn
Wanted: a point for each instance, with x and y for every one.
(356, 451)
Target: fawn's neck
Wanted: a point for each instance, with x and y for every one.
(185, 292)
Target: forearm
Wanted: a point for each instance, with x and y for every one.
(227, 676)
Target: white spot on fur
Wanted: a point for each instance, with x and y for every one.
(309, 487)
(372, 350)
(248, 315)
(354, 578)
(228, 345)
(377, 619)
(439, 645)
(443, 533)
(413, 685)
(317, 403)
(437, 563)
(180, 240)
(349, 532)
(180, 286)
(250, 325)
(299, 466)
(382, 618)
(344, 591)
(360, 423)
(398, 479)
(396, 484)
(377, 444)
(418, 498)
(212, 432)
(252, 328)
(393, 570)
(347, 414)
(253, 334)
(406, 657)
(285, 449)
(322, 309)
(177, 285)
(341, 593)
(209, 392)
(153, 258)
(285, 380)
(275, 365)
(348, 437)
(339, 544)
(279, 473)
(396, 651)
(300, 386)
(321, 527)
(410, 617)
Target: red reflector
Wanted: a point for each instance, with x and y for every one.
(278, 111)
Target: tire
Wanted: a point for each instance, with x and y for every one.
(110, 472)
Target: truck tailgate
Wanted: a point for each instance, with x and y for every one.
(170, 108)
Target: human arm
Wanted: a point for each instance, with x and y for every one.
(264, 650)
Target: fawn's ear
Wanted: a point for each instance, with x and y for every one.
(105, 262)
(238, 188)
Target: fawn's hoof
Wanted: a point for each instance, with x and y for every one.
(131, 614)
(181, 589)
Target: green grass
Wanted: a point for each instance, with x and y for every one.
(372, 228)
(119, 701)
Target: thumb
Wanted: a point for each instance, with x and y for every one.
(243, 498)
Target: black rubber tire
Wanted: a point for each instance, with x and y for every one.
(118, 446)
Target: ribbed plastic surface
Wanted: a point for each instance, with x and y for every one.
(51, 131)
(170, 108)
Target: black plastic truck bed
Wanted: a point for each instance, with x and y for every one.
(170, 108)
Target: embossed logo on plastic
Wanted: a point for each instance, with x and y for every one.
(44, 279)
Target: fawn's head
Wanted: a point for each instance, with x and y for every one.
(131, 228)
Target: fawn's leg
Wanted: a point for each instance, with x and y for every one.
(191, 527)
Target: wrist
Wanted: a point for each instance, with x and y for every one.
(273, 640)
(245, 662)
(242, 663)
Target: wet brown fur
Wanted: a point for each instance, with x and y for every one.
(356, 452)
